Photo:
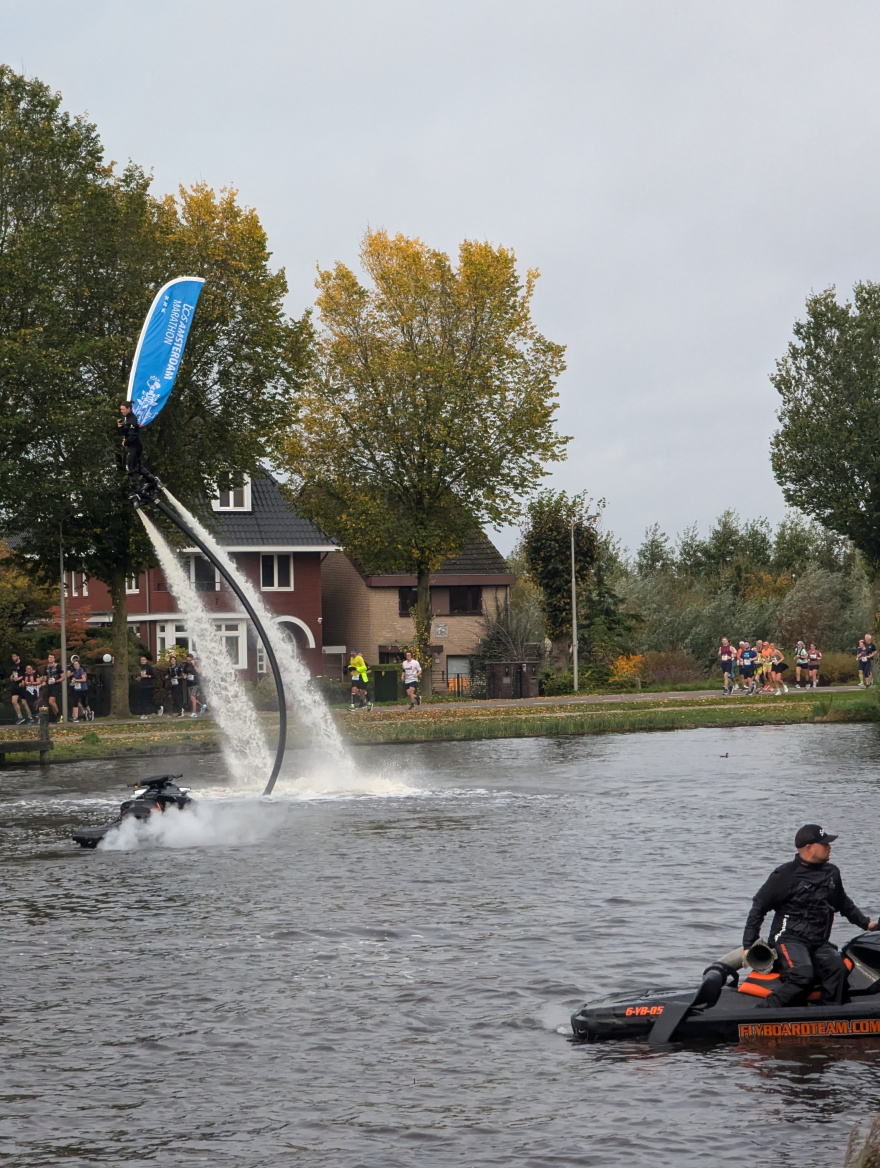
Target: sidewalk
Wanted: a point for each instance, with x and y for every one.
(599, 699)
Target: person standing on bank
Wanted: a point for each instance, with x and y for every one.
(805, 894)
(412, 675)
(79, 684)
(194, 686)
(148, 689)
(867, 663)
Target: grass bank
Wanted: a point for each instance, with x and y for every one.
(448, 723)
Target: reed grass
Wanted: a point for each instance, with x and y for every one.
(863, 1151)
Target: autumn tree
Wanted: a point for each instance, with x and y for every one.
(429, 408)
(67, 341)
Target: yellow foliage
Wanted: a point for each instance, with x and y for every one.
(627, 669)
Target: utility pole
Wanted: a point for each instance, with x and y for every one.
(63, 629)
(574, 615)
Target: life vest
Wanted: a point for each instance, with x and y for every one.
(762, 985)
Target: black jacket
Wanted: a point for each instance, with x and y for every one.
(805, 898)
(130, 428)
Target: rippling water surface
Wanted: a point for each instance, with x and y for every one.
(380, 971)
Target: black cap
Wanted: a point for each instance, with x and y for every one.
(812, 833)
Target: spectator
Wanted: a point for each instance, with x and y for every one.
(16, 690)
(815, 657)
(79, 684)
(860, 653)
(870, 652)
(177, 685)
(801, 664)
(148, 689)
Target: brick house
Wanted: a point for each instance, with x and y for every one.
(280, 553)
(373, 612)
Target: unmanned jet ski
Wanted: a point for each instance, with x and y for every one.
(152, 796)
(725, 1009)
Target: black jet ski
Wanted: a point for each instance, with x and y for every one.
(153, 795)
(724, 1008)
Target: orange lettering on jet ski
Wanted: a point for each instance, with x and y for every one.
(844, 1026)
(643, 1010)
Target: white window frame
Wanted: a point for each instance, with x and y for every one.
(132, 585)
(261, 659)
(192, 571)
(225, 630)
(274, 587)
(167, 633)
(218, 504)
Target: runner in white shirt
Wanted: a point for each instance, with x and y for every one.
(412, 673)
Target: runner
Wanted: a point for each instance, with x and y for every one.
(148, 689)
(766, 667)
(412, 674)
(32, 685)
(53, 686)
(16, 690)
(727, 654)
(801, 663)
(868, 660)
(815, 658)
(359, 675)
(177, 686)
(860, 652)
(79, 684)
(777, 668)
(194, 686)
(747, 657)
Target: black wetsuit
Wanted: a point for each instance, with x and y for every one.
(805, 898)
(130, 428)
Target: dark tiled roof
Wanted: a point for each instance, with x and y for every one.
(479, 556)
(271, 522)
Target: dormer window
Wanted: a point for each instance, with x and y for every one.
(234, 493)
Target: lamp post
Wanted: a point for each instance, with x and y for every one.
(574, 615)
(63, 629)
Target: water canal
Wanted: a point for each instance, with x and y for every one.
(379, 971)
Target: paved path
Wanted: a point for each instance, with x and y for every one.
(599, 699)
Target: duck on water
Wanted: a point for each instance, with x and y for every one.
(800, 985)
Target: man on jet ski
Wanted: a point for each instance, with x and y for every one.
(805, 894)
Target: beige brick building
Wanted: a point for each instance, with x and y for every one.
(371, 613)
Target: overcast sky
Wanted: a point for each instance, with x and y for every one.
(682, 174)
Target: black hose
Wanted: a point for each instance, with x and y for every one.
(258, 625)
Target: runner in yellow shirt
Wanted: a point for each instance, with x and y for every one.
(359, 674)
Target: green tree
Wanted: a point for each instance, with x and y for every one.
(59, 472)
(25, 601)
(429, 411)
(826, 452)
(655, 553)
(546, 546)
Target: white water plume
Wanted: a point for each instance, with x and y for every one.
(244, 746)
(200, 825)
(303, 700)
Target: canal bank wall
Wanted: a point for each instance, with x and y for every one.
(448, 722)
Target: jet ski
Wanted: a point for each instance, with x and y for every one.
(724, 1008)
(152, 796)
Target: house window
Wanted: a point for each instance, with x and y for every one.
(203, 576)
(234, 494)
(169, 635)
(406, 600)
(79, 585)
(466, 600)
(261, 659)
(276, 572)
(232, 635)
(131, 584)
(458, 666)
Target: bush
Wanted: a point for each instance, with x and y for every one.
(333, 691)
(626, 672)
(265, 696)
(673, 668)
(838, 669)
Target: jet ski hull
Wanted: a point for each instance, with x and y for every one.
(735, 1018)
(154, 795)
